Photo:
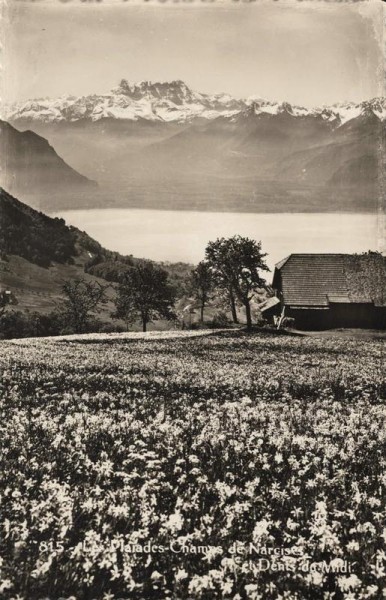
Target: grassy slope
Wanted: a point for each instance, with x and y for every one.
(39, 289)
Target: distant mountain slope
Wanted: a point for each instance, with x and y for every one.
(358, 143)
(27, 161)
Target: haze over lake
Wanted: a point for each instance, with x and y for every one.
(182, 235)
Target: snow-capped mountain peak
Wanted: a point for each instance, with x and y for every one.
(174, 91)
(174, 101)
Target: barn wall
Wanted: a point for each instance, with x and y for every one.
(354, 315)
(364, 316)
(309, 319)
(381, 318)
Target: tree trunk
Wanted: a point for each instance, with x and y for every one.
(233, 307)
(144, 323)
(202, 312)
(248, 313)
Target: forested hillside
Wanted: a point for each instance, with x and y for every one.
(32, 235)
(38, 253)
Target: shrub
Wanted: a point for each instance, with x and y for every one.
(220, 319)
(15, 324)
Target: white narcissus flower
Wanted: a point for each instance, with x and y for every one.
(292, 525)
(371, 590)
(352, 546)
(278, 457)
(227, 587)
(6, 584)
(314, 578)
(378, 570)
(175, 522)
(261, 529)
(181, 575)
(349, 583)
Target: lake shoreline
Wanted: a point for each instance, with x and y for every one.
(55, 213)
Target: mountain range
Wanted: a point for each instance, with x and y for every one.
(172, 102)
(163, 145)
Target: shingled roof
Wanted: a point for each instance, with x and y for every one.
(316, 280)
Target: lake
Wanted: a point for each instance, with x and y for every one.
(182, 235)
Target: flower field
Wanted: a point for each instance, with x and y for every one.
(222, 466)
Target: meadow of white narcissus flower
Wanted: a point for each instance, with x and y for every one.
(190, 448)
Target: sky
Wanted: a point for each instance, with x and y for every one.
(307, 53)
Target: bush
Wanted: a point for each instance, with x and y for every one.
(15, 324)
(220, 319)
(259, 320)
(103, 327)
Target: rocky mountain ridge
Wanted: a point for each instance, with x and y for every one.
(174, 102)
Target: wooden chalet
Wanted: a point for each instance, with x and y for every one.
(326, 291)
